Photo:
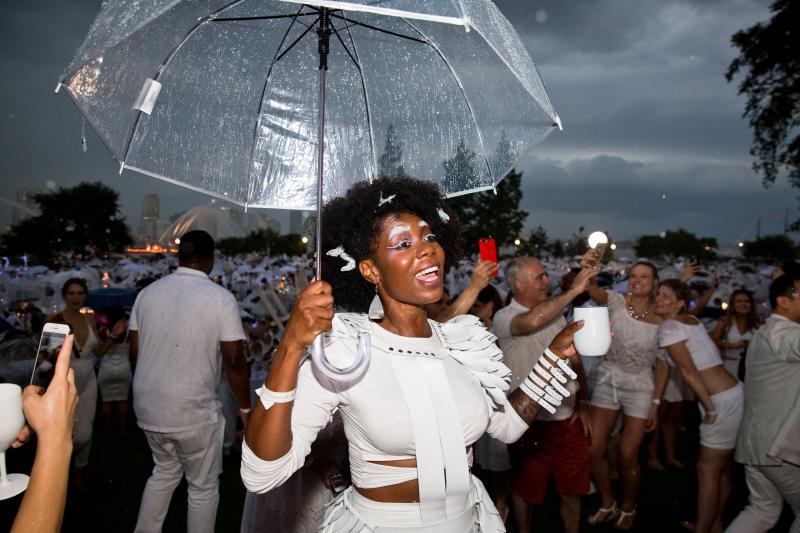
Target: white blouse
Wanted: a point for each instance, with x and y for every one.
(410, 382)
(703, 350)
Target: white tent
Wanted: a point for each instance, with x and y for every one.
(214, 218)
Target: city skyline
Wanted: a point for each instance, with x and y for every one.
(653, 139)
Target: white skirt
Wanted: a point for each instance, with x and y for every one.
(351, 512)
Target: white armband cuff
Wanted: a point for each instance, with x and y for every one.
(270, 398)
(526, 388)
(562, 364)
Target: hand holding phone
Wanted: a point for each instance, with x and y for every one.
(487, 249)
(52, 414)
(50, 343)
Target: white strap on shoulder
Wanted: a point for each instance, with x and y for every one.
(270, 398)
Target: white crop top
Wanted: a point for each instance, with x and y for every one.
(703, 350)
(455, 379)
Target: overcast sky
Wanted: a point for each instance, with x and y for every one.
(653, 136)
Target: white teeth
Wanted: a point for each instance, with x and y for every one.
(427, 271)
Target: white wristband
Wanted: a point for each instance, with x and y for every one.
(524, 387)
(562, 364)
(270, 398)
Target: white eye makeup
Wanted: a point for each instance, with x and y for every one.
(422, 224)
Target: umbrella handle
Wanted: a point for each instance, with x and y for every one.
(349, 375)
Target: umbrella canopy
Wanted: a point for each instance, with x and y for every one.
(112, 297)
(222, 96)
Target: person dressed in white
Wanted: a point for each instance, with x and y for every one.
(693, 353)
(556, 445)
(87, 346)
(769, 438)
(176, 326)
(430, 390)
(735, 330)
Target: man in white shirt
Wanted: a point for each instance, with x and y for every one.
(556, 445)
(178, 326)
(768, 443)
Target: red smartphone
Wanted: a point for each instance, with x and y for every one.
(488, 251)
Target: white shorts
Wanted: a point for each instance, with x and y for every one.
(729, 405)
(617, 389)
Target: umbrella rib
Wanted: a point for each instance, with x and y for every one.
(346, 49)
(308, 29)
(164, 64)
(375, 28)
(463, 93)
(366, 105)
(260, 109)
(262, 17)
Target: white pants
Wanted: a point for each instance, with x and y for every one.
(86, 383)
(769, 485)
(196, 454)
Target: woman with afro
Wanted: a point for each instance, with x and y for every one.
(430, 390)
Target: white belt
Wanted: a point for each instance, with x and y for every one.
(461, 523)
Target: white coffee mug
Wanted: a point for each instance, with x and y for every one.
(594, 337)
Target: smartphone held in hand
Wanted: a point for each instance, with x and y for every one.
(53, 337)
(487, 249)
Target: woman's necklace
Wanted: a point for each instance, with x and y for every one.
(632, 311)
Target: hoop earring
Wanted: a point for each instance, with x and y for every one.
(376, 307)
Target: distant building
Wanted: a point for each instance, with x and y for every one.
(24, 206)
(296, 221)
(150, 224)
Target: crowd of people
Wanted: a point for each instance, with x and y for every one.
(426, 397)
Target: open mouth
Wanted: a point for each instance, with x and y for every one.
(428, 275)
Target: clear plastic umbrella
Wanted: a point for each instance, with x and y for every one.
(231, 97)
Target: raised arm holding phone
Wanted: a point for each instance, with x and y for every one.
(51, 416)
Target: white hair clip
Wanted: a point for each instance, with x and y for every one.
(339, 252)
(383, 200)
(444, 216)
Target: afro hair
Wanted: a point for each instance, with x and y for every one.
(354, 223)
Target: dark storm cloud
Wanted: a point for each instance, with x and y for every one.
(653, 136)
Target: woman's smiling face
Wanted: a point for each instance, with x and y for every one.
(75, 296)
(407, 261)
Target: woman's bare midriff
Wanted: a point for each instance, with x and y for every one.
(717, 379)
(406, 492)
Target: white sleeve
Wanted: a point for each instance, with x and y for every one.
(312, 410)
(133, 321)
(231, 328)
(501, 325)
(616, 301)
(506, 425)
(671, 332)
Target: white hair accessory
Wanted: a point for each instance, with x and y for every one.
(339, 252)
(444, 216)
(383, 200)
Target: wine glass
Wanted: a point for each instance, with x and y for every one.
(11, 422)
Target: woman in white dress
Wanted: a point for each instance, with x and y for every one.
(735, 330)
(624, 382)
(114, 376)
(430, 391)
(87, 345)
(719, 393)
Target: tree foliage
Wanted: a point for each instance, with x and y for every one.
(263, 241)
(83, 220)
(679, 243)
(492, 213)
(773, 248)
(770, 58)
